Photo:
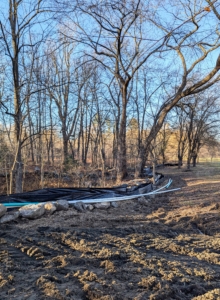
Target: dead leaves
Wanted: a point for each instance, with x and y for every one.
(207, 8)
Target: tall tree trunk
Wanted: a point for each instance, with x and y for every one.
(194, 158)
(31, 137)
(51, 133)
(115, 143)
(65, 148)
(19, 172)
(18, 129)
(72, 150)
(122, 153)
(17, 100)
(189, 157)
(180, 161)
(87, 138)
(142, 158)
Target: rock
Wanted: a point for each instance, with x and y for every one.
(90, 207)
(80, 206)
(32, 211)
(84, 206)
(11, 216)
(62, 205)
(114, 204)
(102, 205)
(3, 210)
(142, 200)
(50, 207)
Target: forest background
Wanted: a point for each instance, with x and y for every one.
(112, 86)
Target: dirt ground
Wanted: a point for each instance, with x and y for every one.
(168, 248)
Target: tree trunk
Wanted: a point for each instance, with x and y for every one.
(18, 172)
(163, 157)
(122, 159)
(72, 150)
(189, 158)
(154, 170)
(65, 148)
(18, 167)
(194, 158)
(115, 145)
(180, 161)
(51, 133)
(31, 138)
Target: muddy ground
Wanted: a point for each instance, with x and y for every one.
(166, 249)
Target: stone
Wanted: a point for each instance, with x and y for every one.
(102, 205)
(89, 207)
(62, 205)
(32, 211)
(84, 205)
(114, 204)
(3, 210)
(79, 206)
(8, 217)
(50, 208)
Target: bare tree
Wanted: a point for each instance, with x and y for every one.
(188, 82)
(180, 132)
(214, 6)
(117, 41)
(62, 81)
(15, 28)
(114, 44)
(203, 117)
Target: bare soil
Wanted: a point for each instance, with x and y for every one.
(166, 249)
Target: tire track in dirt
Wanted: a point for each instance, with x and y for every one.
(136, 252)
(88, 263)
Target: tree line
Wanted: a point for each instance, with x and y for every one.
(77, 72)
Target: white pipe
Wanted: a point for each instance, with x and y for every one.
(121, 198)
(165, 186)
(90, 201)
